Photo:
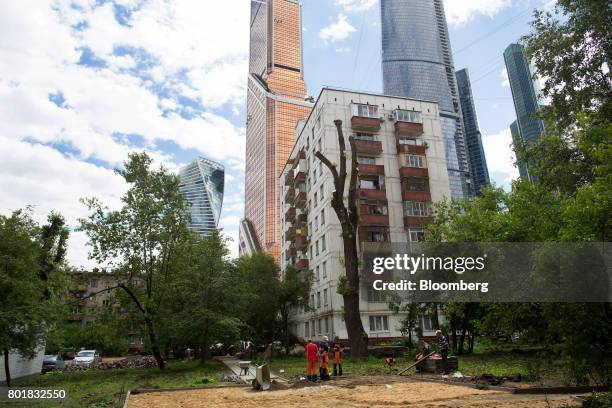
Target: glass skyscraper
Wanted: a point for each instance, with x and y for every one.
(202, 183)
(276, 101)
(476, 155)
(527, 128)
(417, 63)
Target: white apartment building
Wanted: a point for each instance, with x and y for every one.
(402, 170)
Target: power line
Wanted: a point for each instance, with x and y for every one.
(358, 48)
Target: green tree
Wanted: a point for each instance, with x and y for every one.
(141, 241)
(201, 305)
(257, 285)
(293, 293)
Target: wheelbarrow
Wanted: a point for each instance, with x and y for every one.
(244, 367)
(262, 381)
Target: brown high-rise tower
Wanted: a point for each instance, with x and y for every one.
(276, 101)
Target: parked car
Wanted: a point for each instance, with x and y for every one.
(53, 362)
(86, 358)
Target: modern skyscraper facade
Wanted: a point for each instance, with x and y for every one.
(276, 101)
(526, 103)
(202, 182)
(473, 137)
(417, 63)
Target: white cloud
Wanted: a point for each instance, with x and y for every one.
(505, 80)
(337, 31)
(459, 12)
(500, 157)
(356, 5)
(343, 49)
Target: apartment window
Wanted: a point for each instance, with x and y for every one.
(366, 160)
(317, 248)
(320, 168)
(327, 325)
(318, 124)
(324, 267)
(317, 273)
(368, 111)
(379, 323)
(309, 204)
(427, 323)
(323, 246)
(94, 283)
(417, 208)
(316, 223)
(364, 136)
(413, 160)
(416, 184)
(312, 328)
(376, 235)
(306, 329)
(314, 175)
(371, 182)
(376, 296)
(375, 207)
(315, 199)
(416, 235)
(311, 257)
(318, 300)
(411, 142)
(319, 326)
(319, 145)
(322, 217)
(324, 297)
(312, 303)
(402, 115)
(321, 192)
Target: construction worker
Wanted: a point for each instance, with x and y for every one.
(324, 367)
(424, 351)
(312, 358)
(443, 349)
(338, 350)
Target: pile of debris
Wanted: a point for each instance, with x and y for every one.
(495, 380)
(232, 379)
(137, 362)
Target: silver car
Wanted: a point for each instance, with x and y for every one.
(86, 358)
(53, 362)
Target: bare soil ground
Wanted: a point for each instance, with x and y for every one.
(372, 392)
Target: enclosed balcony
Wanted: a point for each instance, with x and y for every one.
(289, 178)
(374, 219)
(408, 123)
(415, 195)
(290, 195)
(301, 243)
(412, 221)
(373, 147)
(300, 177)
(365, 118)
(290, 233)
(373, 234)
(300, 200)
(290, 215)
(301, 219)
(375, 169)
(301, 264)
(291, 252)
(413, 172)
(411, 148)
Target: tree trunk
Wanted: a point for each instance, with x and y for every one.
(154, 345)
(462, 340)
(7, 370)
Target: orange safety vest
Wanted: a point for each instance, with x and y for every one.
(337, 355)
(325, 360)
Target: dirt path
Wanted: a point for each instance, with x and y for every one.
(399, 394)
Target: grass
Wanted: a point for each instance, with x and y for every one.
(105, 388)
(532, 365)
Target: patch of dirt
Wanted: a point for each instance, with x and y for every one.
(372, 392)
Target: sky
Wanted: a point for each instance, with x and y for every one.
(85, 82)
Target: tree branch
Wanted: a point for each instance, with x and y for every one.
(74, 302)
(134, 298)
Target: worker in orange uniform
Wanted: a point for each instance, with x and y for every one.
(312, 358)
(324, 368)
(338, 350)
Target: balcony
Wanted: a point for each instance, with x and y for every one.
(290, 252)
(290, 214)
(373, 193)
(413, 149)
(301, 243)
(414, 172)
(302, 264)
(412, 221)
(374, 219)
(378, 169)
(289, 178)
(373, 234)
(300, 200)
(368, 146)
(408, 128)
(290, 195)
(301, 220)
(290, 234)
(416, 195)
(365, 123)
(300, 177)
